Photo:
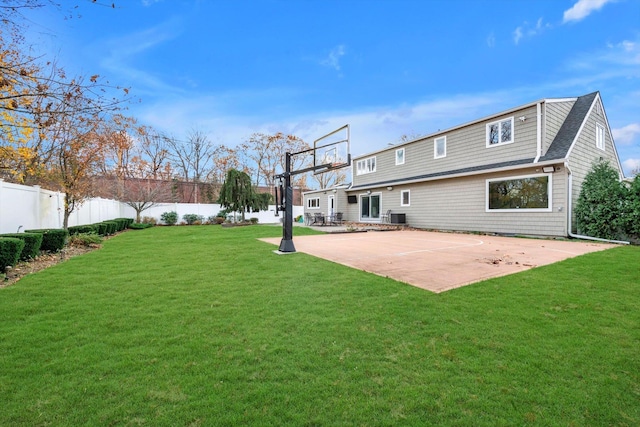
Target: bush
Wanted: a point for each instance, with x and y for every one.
(139, 225)
(253, 220)
(599, 208)
(32, 243)
(127, 222)
(191, 219)
(10, 250)
(149, 220)
(101, 228)
(85, 239)
(53, 239)
(112, 227)
(169, 218)
(631, 220)
(77, 229)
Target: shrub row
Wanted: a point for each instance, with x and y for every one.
(103, 228)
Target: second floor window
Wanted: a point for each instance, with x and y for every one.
(599, 136)
(367, 165)
(400, 156)
(440, 147)
(500, 132)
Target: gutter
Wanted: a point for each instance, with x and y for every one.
(538, 132)
(570, 210)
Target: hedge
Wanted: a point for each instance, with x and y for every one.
(32, 243)
(10, 249)
(82, 229)
(53, 239)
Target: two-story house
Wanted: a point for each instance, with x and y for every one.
(515, 172)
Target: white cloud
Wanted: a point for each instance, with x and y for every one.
(517, 35)
(491, 40)
(528, 30)
(626, 134)
(333, 59)
(631, 165)
(582, 9)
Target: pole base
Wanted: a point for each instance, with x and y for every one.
(286, 246)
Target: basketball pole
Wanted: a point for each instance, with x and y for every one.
(286, 244)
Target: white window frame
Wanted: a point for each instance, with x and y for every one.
(499, 123)
(549, 207)
(316, 201)
(366, 166)
(600, 137)
(442, 139)
(402, 193)
(400, 157)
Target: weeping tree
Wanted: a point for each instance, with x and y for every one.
(237, 194)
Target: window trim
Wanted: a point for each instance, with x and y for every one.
(435, 147)
(403, 154)
(402, 197)
(601, 143)
(549, 208)
(366, 168)
(499, 122)
(317, 203)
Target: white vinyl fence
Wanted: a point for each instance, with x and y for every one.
(23, 208)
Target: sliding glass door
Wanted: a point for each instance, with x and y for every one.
(370, 207)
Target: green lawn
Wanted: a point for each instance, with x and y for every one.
(199, 325)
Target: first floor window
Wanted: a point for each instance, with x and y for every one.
(405, 199)
(526, 192)
(599, 136)
(313, 203)
(500, 132)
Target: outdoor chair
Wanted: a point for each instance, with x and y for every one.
(337, 218)
(386, 217)
(318, 218)
(308, 219)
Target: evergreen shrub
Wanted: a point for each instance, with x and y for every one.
(53, 239)
(32, 243)
(10, 250)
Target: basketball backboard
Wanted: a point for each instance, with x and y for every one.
(332, 151)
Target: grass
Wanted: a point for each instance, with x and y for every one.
(202, 325)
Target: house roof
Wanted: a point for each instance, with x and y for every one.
(568, 132)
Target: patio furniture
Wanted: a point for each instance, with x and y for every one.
(318, 218)
(386, 217)
(308, 219)
(337, 219)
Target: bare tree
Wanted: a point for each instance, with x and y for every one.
(193, 158)
(266, 155)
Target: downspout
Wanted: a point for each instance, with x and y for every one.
(570, 210)
(538, 132)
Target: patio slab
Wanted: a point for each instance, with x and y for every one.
(439, 261)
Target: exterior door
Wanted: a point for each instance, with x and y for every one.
(330, 205)
(370, 207)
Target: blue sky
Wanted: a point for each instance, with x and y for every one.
(387, 68)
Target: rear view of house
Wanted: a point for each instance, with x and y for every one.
(515, 172)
